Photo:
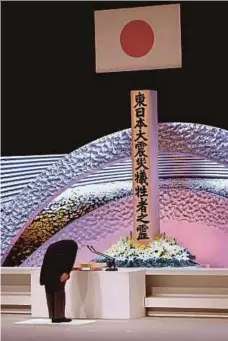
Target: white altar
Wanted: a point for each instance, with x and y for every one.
(123, 294)
(96, 294)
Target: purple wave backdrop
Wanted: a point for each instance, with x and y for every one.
(198, 220)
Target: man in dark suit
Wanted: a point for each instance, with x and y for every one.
(55, 271)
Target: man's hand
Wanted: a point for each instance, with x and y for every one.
(64, 277)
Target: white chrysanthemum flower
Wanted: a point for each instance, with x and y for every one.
(126, 250)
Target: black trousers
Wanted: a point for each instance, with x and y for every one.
(56, 301)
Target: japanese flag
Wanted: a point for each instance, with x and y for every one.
(141, 38)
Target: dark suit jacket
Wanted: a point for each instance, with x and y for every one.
(58, 259)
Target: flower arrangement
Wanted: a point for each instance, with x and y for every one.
(162, 252)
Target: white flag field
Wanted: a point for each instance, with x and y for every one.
(140, 38)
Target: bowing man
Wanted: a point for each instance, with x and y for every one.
(57, 264)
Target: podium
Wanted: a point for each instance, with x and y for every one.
(96, 294)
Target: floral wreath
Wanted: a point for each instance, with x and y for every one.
(162, 252)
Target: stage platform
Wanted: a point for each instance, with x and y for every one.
(128, 293)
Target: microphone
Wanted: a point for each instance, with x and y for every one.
(111, 262)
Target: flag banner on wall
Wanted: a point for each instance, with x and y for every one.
(144, 125)
(141, 38)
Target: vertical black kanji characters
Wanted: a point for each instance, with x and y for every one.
(141, 161)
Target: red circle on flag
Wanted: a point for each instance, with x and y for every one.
(137, 38)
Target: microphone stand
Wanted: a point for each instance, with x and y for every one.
(111, 262)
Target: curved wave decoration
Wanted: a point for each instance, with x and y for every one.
(192, 157)
(188, 208)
